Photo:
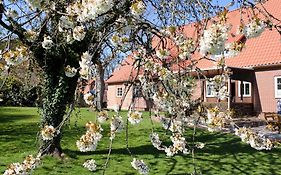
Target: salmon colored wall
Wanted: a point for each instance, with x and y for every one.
(265, 88)
(197, 90)
(113, 100)
(263, 93)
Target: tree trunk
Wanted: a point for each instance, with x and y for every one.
(100, 87)
(58, 92)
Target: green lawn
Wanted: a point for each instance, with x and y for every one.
(223, 153)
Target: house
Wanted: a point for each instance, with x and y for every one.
(119, 90)
(254, 85)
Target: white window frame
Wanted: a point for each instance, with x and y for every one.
(276, 87)
(244, 84)
(118, 92)
(206, 87)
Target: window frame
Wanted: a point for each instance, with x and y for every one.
(244, 84)
(206, 88)
(276, 86)
(117, 91)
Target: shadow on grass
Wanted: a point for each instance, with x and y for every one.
(222, 153)
(12, 114)
(230, 155)
(139, 150)
(6, 118)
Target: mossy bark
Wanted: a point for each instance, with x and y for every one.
(58, 91)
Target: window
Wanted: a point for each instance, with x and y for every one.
(210, 89)
(246, 89)
(277, 87)
(119, 92)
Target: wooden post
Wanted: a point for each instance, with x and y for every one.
(241, 90)
(202, 84)
(229, 93)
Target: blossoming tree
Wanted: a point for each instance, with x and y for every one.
(70, 40)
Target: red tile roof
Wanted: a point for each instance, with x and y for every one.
(261, 51)
(124, 72)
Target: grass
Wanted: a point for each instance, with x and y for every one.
(223, 153)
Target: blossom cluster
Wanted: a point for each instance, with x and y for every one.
(85, 65)
(179, 144)
(254, 28)
(213, 40)
(17, 56)
(140, 166)
(186, 46)
(87, 10)
(31, 35)
(116, 125)
(102, 116)
(23, 168)
(216, 119)
(138, 8)
(163, 54)
(121, 37)
(89, 141)
(90, 165)
(134, 117)
(155, 140)
(256, 141)
(89, 98)
(49, 132)
(234, 48)
(70, 71)
(47, 42)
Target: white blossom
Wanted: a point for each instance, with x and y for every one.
(140, 166)
(254, 28)
(89, 141)
(17, 56)
(162, 54)
(90, 165)
(86, 59)
(116, 125)
(15, 169)
(65, 23)
(47, 42)
(170, 151)
(134, 117)
(49, 132)
(70, 71)
(102, 116)
(156, 142)
(89, 98)
(200, 145)
(138, 8)
(213, 39)
(79, 33)
(89, 9)
(256, 141)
